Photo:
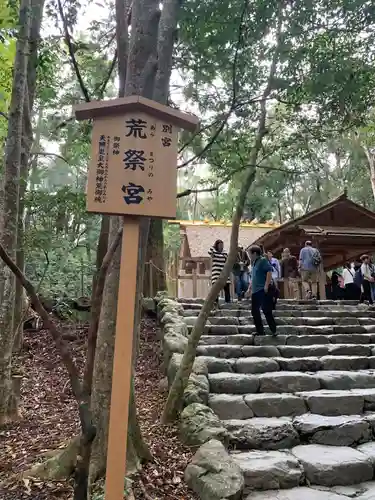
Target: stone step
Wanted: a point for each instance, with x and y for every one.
(288, 329)
(200, 301)
(362, 491)
(293, 340)
(350, 321)
(290, 381)
(319, 402)
(294, 313)
(284, 433)
(227, 351)
(331, 478)
(269, 469)
(348, 430)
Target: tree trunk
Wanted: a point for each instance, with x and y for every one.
(142, 66)
(154, 279)
(102, 377)
(10, 195)
(175, 396)
(371, 164)
(101, 248)
(27, 137)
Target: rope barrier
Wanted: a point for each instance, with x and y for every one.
(161, 270)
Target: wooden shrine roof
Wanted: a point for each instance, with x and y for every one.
(200, 236)
(341, 229)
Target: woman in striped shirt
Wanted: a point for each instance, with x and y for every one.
(218, 259)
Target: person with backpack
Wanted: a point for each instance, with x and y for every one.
(310, 260)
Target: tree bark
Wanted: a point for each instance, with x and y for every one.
(371, 164)
(155, 244)
(10, 195)
(27, 138)
(175, 396)
(102, 376)
(142, 65)
(154, 274)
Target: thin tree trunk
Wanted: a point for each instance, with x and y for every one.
(27, 137)
(101, 249)
(371, 165)
(175, 396)
(154, 275)
(10, 195)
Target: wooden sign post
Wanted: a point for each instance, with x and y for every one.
(132, 173)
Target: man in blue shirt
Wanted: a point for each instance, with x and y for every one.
(261, 296)
(309, 263)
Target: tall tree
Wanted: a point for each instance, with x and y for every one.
(10, 204)
(149, 60)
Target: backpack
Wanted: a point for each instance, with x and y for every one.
(358, 278)
(316, 258)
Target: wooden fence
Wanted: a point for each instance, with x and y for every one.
(195, 285)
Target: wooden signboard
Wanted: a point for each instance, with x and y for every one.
(132, 173)
(133, 166)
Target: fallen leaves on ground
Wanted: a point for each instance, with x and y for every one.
(49, 419)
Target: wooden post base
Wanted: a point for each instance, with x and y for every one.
(122, 362)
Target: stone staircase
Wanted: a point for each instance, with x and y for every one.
(299, 407)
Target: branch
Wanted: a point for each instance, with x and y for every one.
(187, 192)
(68, 42)
(42, 153)
(103, 86)
(4, 115)
(234, 93)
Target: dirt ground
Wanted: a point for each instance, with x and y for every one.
(49, 418)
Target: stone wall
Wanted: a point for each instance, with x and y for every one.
(212, 473)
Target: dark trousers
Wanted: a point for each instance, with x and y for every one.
(366, 295)
(226, 293)
(352, 291)
(261, 300)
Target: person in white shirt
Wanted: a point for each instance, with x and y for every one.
(351, 289)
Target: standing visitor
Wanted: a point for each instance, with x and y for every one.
(351, 289)
(372, 269)
(218, 260)
(261, 298)
(276, 271)
(367, 279)
(241, 273)
(309, 263)
(289, 272)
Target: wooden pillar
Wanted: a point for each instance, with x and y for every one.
(322, 283)
(195, 283)
(150, 276)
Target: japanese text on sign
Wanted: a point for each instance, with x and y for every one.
(102, 170)
(136, 166)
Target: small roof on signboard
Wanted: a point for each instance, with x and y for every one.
(98, 109)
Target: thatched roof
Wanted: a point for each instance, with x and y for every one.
(200, 237)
